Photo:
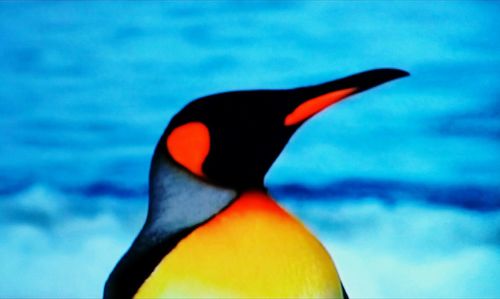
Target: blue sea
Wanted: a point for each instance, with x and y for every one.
(401, 183)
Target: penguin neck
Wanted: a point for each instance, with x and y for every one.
(178, 203)
(178, 200)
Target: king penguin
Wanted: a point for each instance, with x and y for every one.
(212, 229)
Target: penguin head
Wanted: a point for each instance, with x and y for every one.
(232, 139)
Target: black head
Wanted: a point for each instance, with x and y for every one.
(233, 138)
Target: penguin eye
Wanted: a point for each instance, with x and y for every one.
(189, 145)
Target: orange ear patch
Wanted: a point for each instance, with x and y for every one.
(315, 105)
(189, 145)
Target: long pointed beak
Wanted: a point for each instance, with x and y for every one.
(318, 97)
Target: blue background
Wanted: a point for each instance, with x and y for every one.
(401, 183)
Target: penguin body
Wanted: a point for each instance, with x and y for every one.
(251, 249)
(212, 229)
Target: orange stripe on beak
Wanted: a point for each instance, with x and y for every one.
(315, 105)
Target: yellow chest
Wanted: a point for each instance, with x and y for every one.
(252, 249)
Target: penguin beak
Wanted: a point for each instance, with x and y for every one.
(316, 98)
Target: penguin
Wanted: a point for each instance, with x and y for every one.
(212, 229)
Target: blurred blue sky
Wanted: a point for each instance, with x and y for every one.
(97, 83)
(88, 87)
